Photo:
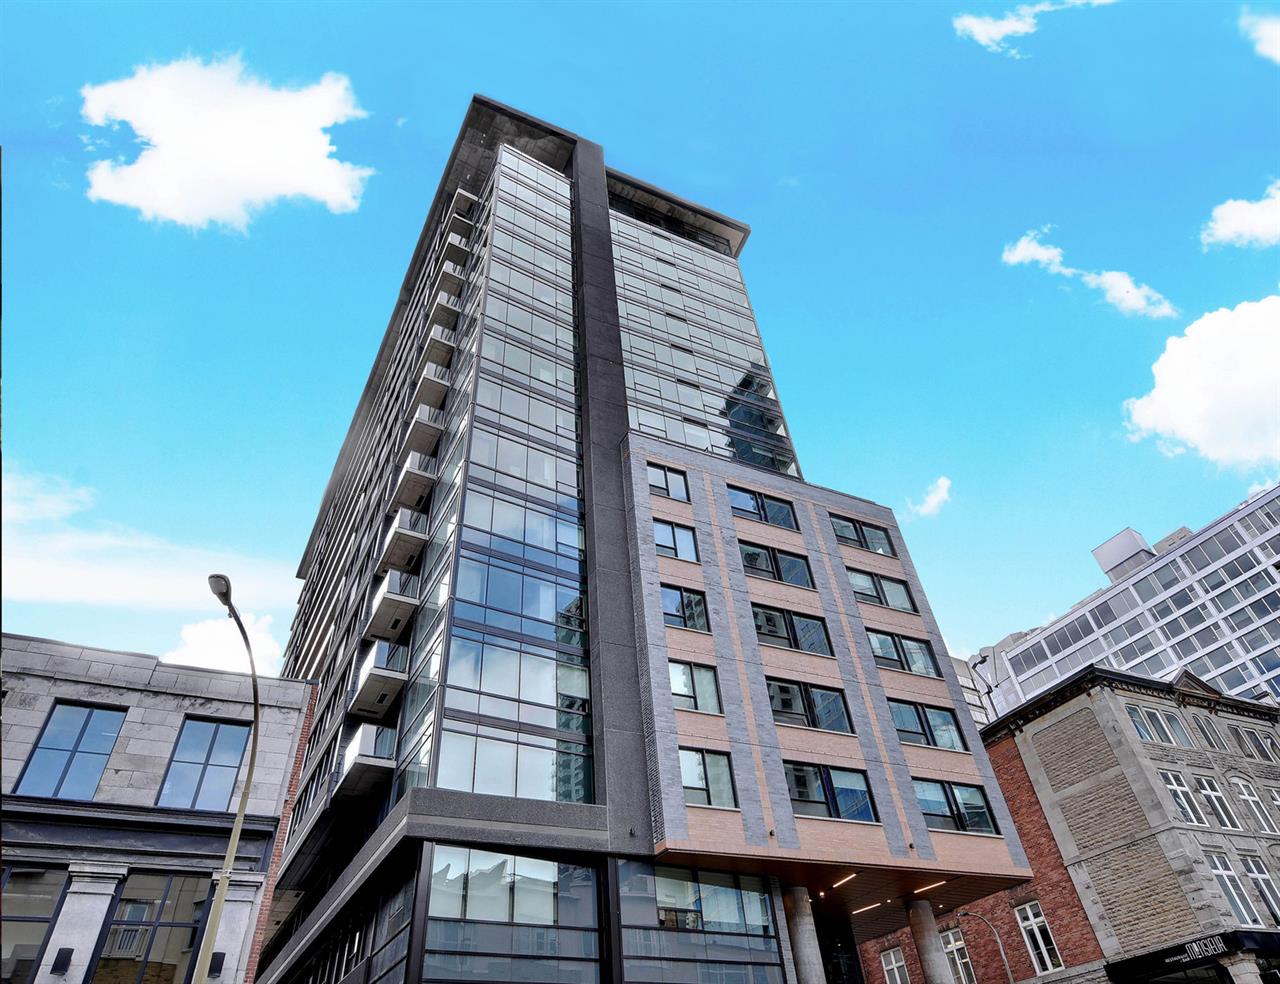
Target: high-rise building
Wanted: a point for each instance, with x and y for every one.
(1207, 601)
(607, 692)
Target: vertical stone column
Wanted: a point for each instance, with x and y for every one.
(235, 931)
(85, 908)
(924, 934)
(804, 936)
(1242, 967)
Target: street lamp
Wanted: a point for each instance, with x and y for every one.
(1000, 946)
(220, 585)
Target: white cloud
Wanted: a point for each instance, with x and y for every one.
(1216, 388)
(1263, 485)
(1237, 222)
(1264, 31)
(993, 32)
(935, 497)
(219, 145)
(215, 644)
(1119, 289)
(55, 551)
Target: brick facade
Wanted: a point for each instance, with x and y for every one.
(1051, 886)
(277, 851)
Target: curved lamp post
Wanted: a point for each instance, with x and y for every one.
(220, 585)
(999, 945)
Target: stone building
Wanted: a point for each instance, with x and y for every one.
(121, 776)
(1160, 804)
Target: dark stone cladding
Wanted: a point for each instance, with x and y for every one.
(617, 728)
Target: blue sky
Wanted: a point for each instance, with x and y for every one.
(970, 246)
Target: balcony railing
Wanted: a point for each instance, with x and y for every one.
(368, 760)
(417, 477)
(403, 542)
(422, 432)
(380, 678)
(392, 605)
(433, 385)
(441, 344)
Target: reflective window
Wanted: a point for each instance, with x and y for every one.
(809, 706)
(668, 482)
(684, 608)
(865, 535)
(777, 565)
(954, 806)
(205, 763)
(154, 931)
(671, 540)
(762, 508)
(707, 778)
(791, 629)
(693, 687)
(920, 724)
(31, 897)
(897, 652)
(72, 752)
(880, 590)
(827, 791)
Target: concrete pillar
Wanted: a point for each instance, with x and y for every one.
(1242, 967)
(924, 934)
(239, 917)
(85, 908)
(804, 936)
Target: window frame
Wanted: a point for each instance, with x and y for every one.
(810, 707)
(1209, 731)
(1176, 785)
(1218, 803)
(957, 951)
(881, 598)
(1256, 871)
(702, 753)
(957, 815)
(894, 961)
(6, 875)
(218, 724)
(830, 798)
(899, 648)
(1027, 923)
(91, 706)
(922, 718)
(775, 557)
(683, 609)
(861, 541)
(788, 620)
(697, 694)
(1232, 888)
(665, 490)
(1247, 793)
(761, 513)
(661, 548)
(1155, 726)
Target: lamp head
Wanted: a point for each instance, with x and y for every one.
(220, 585)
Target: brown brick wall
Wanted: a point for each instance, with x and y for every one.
(277, 850)
(1051, 885)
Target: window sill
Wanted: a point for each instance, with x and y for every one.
(670, 498)
(778, 580)
(861, 823)
(792, 649)
(866, 550)
(685, 628)
(889, 608)
(764, 522)
(681, 560)
(911, 673)
(809, 727)
(708, 806)
(694, 710)
(935, 748)
(966, 833)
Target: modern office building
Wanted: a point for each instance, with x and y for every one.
(1208, 602)
(121, 777)
(607, 691)
(975, 692)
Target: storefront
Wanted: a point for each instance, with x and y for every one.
(1203, 960)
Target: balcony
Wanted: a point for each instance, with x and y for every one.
(463, 204)
(422, 432)
(368, 761)
(418, 476)
(450, 279)
(457, 249)
(443, 310)
(392, 605)
(380, 678)
(433, 385)
(404, 540)
(441, 344)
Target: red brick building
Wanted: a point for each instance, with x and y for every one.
(1049, 898)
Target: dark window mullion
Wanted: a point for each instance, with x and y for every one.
(75, 748)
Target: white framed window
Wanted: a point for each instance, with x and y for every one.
(1229, 882)
(1039, 940)
(1163, 727)
(958, 957)
(1249, 796)
(1217, 802)
(1212, 736)
(894, 966)
(1262, 882)
(1182, 798)
(1275, 797)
